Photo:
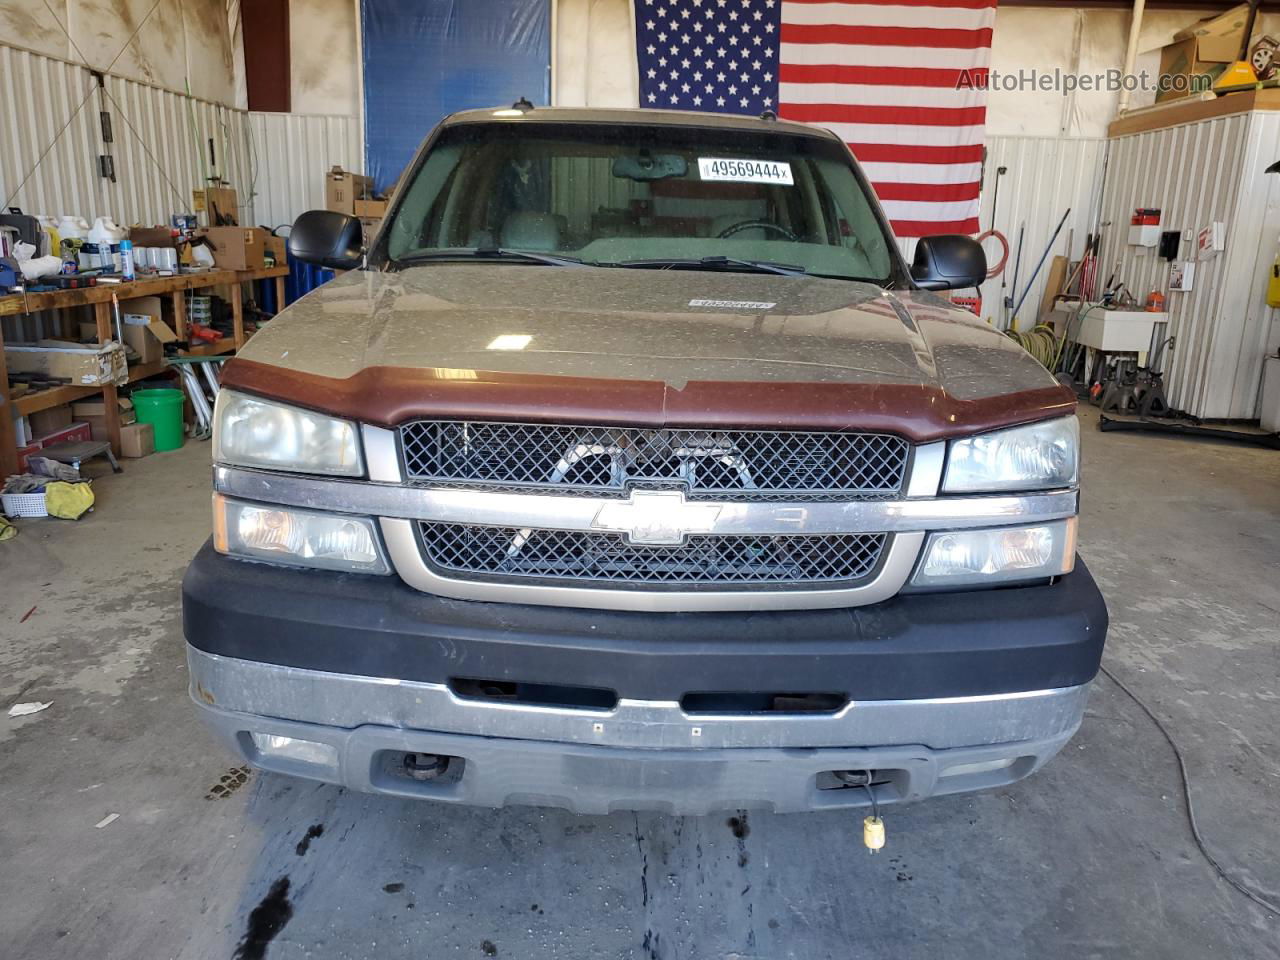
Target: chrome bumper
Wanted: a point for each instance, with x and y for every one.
(639, 755)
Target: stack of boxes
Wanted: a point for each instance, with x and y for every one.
(352, 194)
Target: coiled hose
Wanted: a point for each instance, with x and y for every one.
(1041, 342)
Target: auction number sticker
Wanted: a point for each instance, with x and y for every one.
(745, 171)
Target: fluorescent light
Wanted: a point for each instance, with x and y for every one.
(509, 341)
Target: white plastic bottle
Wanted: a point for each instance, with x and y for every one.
(104, 242)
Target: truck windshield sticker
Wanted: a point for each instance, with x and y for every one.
(734, 304)
(745, 171)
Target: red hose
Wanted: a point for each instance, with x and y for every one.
(1004, 258)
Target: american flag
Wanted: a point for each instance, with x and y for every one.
(902, 82)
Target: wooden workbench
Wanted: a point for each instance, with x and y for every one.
(99, 298)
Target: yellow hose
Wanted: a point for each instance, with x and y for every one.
(1041, 342)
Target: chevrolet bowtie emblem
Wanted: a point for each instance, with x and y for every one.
(657, 517)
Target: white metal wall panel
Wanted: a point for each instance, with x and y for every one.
(289, 154)
(159, 143)
(1044, 176)
(1197, 173)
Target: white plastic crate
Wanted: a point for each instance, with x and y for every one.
(24, 504)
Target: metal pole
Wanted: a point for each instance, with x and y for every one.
(1131, 53)
(1039, 264)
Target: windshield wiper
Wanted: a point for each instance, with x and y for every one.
(487, 253)
(700, 263)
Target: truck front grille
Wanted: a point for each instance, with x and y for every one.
(608, 559)
(605, 461)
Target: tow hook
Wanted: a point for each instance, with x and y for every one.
(872, 826)
(425, 766)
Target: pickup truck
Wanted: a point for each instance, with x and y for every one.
(629, 466)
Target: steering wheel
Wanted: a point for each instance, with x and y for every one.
(751, 224)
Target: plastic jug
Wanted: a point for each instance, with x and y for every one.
(104, 244)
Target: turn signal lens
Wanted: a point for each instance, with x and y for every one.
(999, 555)
(297, 537)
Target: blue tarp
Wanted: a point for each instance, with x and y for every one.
(424, 59)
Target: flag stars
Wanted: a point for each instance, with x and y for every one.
(697, 101)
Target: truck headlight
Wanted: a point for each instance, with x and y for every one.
(997, 555)
(300, 538)
(250, 432)
(1034, 457)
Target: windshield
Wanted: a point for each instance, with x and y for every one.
(658, 197)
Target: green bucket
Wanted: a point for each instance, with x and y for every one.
(163, 410)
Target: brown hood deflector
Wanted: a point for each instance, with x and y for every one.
(388, 396)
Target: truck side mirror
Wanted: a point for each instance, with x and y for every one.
(327, 239)
(949, 262)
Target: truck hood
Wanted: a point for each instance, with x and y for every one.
(662, 347)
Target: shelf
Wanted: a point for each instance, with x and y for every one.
(20, 303)
(55, 397)
(44, 399)
(262, 273)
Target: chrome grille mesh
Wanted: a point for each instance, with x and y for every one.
(608, 559)
(604, 461)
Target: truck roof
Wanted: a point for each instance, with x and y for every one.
(630, 116)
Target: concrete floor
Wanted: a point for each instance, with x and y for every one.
(1090, 858)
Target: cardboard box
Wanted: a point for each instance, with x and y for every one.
(86, 366)
(137, 440)
(276, 249)
(236, 248)
(342, 189)
(94, 413)
(1202, 49)
(49, 421)
(97, 407)
(144, 329)
(216, 203)
(371, 209)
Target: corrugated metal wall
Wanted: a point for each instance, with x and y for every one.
(1197, 173)
(289, 154)
(160, 146)
(1043, 177)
